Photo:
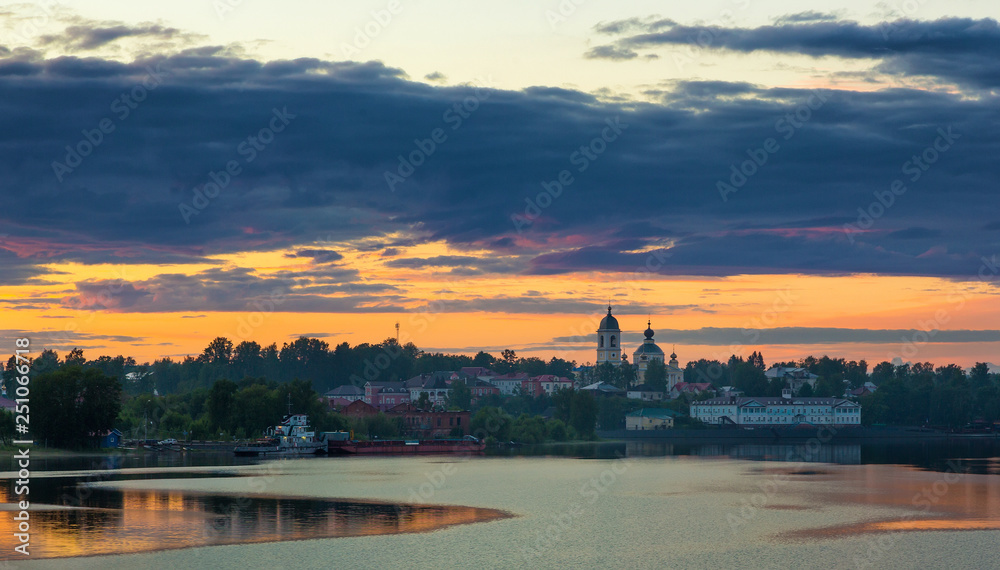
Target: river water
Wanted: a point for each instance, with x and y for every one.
(616, 505)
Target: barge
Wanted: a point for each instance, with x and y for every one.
(294, 438)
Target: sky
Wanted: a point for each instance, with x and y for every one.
(740, 174)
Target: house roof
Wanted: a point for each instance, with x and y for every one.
(775, 401)
(435, 380)
(783, 372)
(654, 413)
(477, 371)
(643, 388)
(648, 347)
(550, 378)
(511, 376)
(692, 386)
(345, 390)
(603, 387)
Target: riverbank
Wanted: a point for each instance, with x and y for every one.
(822, 433)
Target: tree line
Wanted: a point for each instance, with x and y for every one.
(309, 359)
(238, 391)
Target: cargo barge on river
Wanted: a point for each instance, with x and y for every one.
(294, 438)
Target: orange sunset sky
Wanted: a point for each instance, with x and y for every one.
(746, 177)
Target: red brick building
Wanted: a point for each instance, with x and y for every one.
(359, 409)
(428, 424)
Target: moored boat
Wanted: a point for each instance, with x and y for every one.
(292, 438)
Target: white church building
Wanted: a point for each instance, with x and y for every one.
(609, 350)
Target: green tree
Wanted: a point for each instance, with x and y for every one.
(47, 361)
(75, 358)
(255, 409)
(491, 424)
(220, 404)
(483, 359)
(656, 376)
(883, 371)
(556, 430)
(219, 351)
(583, 414)
(507, 362)
(459, 397)
(979, 376)
(423, 402)
(74, 405)
(605, 372)
(560, 367)
(7, 427)
(528, 429)
(532, 365)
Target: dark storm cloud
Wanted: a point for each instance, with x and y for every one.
(650, 24)
(533, 305)
(227, 290)
(963, 50)
(321, 179)
(67, 339)
(317, 255)
(460, 264)
(18, 271)
(88, 37)
(807, 16)
(610, 52)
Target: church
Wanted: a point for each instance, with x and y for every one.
(609, 350)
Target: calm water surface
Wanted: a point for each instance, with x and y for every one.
(636, 505)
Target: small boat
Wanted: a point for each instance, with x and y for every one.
(292, 438)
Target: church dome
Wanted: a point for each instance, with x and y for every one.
(609, 322)
(649, 330)
(648, 348)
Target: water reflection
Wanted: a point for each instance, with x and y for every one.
(124, 521)
(932, 500)
(978, 456)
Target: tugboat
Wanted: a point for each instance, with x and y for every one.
(292, 438)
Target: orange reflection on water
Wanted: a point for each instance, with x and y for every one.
(127, 521)
(932, 501)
